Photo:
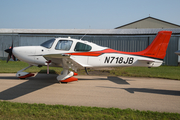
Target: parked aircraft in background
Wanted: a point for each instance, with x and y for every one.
(73, 53)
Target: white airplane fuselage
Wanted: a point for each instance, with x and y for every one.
(34, 56)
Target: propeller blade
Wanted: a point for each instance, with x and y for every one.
(8, 58)
(10, 54)
(13, 57)
(8, 50)
(12, 45)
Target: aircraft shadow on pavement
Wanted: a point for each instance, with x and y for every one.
(147, 90)
(34, 83)
(117, 80)
(79, 79)
(9, 77)
(114, 79)
(155, 91)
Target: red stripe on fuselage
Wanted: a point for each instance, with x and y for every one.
(95, 53)
(98, 53)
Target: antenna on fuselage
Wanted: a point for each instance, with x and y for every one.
(83, 36)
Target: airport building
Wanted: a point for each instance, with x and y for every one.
(132, 37)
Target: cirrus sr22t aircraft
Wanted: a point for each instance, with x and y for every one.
(73, 53)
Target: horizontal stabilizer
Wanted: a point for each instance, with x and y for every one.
(148, 61)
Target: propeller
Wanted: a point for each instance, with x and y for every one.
(10, 53)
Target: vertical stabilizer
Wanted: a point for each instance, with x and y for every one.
(158, 47)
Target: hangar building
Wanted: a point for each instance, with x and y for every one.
(132, 37)
(148, 22)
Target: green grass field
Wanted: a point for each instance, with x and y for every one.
(14, 66)
(166, 72)
(16, 111)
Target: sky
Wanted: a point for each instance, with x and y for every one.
(83, 14)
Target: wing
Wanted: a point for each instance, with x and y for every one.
(62, 60)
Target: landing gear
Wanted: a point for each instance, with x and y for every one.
(67, 76)
(22, 75)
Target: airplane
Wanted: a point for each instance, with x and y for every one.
(74, 54)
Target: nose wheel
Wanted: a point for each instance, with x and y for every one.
(22, 75)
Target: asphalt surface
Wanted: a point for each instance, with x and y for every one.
(101, 91)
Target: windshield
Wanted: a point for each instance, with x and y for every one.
(48, 44)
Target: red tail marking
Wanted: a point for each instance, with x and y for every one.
(159, 45)
(157, 49)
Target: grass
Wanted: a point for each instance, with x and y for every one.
(10, 110)
(166, 72)
(15, 66)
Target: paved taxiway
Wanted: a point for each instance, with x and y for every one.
(119, 92)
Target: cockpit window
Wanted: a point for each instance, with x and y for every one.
(82, 47)
(64, 45)
(48, 44)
